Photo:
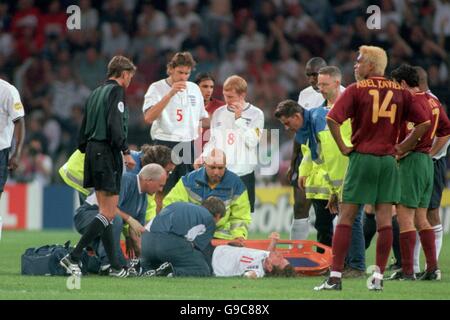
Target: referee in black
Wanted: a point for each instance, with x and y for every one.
(103, 139)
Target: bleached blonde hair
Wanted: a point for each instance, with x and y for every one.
(376, 56)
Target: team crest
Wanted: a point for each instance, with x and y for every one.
(247, 120)
(192, 100)
(121, 106)
(410, 126)
(18, 106)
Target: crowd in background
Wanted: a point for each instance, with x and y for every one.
(267, 42)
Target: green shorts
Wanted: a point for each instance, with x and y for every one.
(416, 180)
(371, 180)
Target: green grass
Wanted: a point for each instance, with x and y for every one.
(15, 286)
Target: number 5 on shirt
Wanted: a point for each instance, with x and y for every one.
(382, 112)
(179, 115)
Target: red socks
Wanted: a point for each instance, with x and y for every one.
(407, 244)
(427, 239)
(384, 244)
(341, 244)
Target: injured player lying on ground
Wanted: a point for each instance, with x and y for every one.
(233, 259)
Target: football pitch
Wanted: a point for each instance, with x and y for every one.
(14, 286)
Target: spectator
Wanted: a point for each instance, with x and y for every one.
(115, 42)
(89, 16)
(113, 11)
(6, 39)
(54, 21)
(251, 40)
(278, 39)
(5, 18)
(321, 12)
(195, 39)
(346, 11)
(172, 39)
(27, 16)
(233, 64)
(149, 65)
(265, 16)
(218, 13)
(391, 13)
(288, 69)
(184, 17)
(441, 23)
(153, 20)
(298, 21)
(205, 61)
(36, 84)
(35, 165)
(66, 93)
(225, 40)
(91, 68)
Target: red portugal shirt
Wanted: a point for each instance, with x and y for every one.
(377, 107)
(440, 124)
(212, 106)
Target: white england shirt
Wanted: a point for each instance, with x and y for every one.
(239, 138)
(11, 109)
(310, 98)
(228, 261)
(179, 121)
(443, 151)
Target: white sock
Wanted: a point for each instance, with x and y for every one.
(377, 275)
(335, 274)
(417, 248)
(438, 233)
(300, 229)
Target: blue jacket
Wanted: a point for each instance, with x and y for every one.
(192, 222)
(313, 122)
(194, 188)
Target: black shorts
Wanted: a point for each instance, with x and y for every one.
(4, 157)
(103, 167)
(249, 181)
(440, 170)
(294, 177)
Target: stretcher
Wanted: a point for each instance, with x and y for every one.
(301, 254)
